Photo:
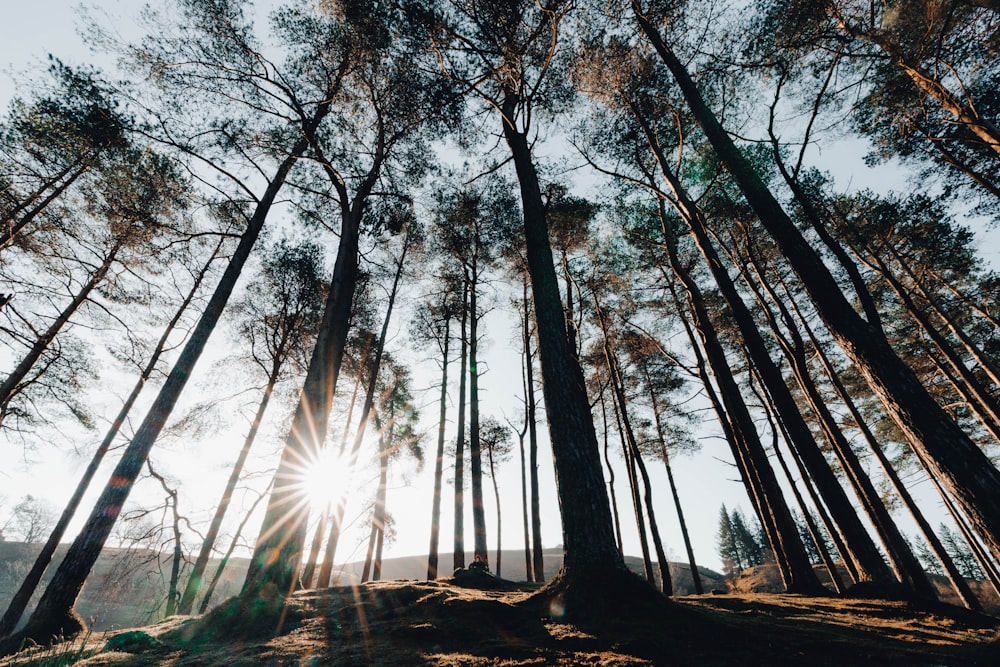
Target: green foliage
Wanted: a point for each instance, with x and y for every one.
(740, 547)
(960, 553)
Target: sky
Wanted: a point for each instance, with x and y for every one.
(199, 465)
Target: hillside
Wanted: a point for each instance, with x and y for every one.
(129, 586)
(400, 623)
(404, 621)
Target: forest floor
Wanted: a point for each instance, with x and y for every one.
(399, 623)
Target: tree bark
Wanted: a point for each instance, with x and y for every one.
(588, 539)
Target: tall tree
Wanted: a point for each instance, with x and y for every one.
(54, 614)
(20, 600)
(278, 318)
(951, 454)
(511, 48)
(433, 323)
(496, 442)
(385, 113)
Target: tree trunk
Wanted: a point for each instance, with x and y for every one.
(523, 316)
(906, 566)
(20, 600)
(15, 382)
(958, 582)
(614, 371)
(366, 409)
(496, 496)
(459, 534)
(277, 554)
(475, 450)
(814, 531)
(981, 402)
(378, 516)
(208, 544)
(633, 485)
(748, 452)
(538, 557)
(665, 455)
(309, 571)
(54, 615)
(432, 555)
(611, 475)
(175, 563)
(951, 455)
(10, 228)
(229, 553)
(335, 521)
(589, 547)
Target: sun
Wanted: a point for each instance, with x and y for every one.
(325, 479)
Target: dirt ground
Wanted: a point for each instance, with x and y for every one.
(398, 623)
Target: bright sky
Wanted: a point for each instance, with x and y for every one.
(31, 30)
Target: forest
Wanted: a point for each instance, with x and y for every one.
(283, 241)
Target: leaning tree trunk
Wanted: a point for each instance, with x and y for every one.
(904, 563)
(335, 521)
(21, 598)
(614, 371)
(277, 555)
(54, 615)
(195, 579)
(309, 571)
(633, 485)
(611, 473)
(229, 553)
(950, 453)
(861, 547)
(366, 410)
(15, 382)
(958, 582)
(378, 516)
(748, 451)
(814, 531)
(665, 455)
(10, 228)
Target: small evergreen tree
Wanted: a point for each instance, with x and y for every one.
(960, 552)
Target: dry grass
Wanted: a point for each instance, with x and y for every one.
(400, 623)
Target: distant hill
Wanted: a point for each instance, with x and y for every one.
(512, 568)
(129, 586)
